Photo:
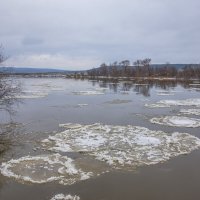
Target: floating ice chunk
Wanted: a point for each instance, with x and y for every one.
(70, 125)
(168, 103)
(32, 95)
(178, 121)
(165, 94)
(118, 101)
(90, 92)
(146, 140)
(141, 84)
(186, 102)
(102, 89)
(156, 105)
(82, 105)
(43, 169)
(190, 111)
(65, 197)
(125, 92)
(91, 141)
(195, 84)
(59, 145)
(85, 142)
(123, 146)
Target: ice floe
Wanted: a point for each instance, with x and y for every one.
(122, 146)
(195, 84)
(141, 84)
(178, 121)
(165, 94)
(89, 92)
(65, 197)
(30, 96)
(190, 111)
(82, 104)
(102, 89)
(125, 92)
(168, 103)
(43, 169)
(118, 101)
(156, 105)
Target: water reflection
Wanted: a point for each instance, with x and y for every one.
(8, 132)
(144, 87)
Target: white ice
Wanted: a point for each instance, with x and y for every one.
(118, 101)
(190, 111)
(43, 169)
(156, 105)
(31, 95)
(168, 103)
(89, 92)
(122, 146)
(165, 94)
(178, 121)
(82, 104)
(65, 197)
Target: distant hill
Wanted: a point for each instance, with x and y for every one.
(17, 70)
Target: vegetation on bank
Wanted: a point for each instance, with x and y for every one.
(8, 91)
(8, 88)
(144, 68)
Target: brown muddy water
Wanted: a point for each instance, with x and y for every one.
(102, 140)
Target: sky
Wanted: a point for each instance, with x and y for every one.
(82, 34)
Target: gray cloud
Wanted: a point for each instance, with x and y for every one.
(84, 33)
(32, 41)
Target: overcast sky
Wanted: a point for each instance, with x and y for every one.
(81, 34)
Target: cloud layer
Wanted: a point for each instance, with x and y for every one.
(80, 34)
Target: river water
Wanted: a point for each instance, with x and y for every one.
(102, 140)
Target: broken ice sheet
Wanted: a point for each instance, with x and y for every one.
(65, 197)
(168, 103)
(122, 146)
(89, 92)
(190, 111)
(118, 101)
(164, 93)
(178, 121)
(32, 95)
(82, 104)
(44, 169)
(156, 105)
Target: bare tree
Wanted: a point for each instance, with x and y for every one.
(9, 89)
(125, 63)
(138, 67)
(146, 65)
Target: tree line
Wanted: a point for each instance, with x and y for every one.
(144, 68)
